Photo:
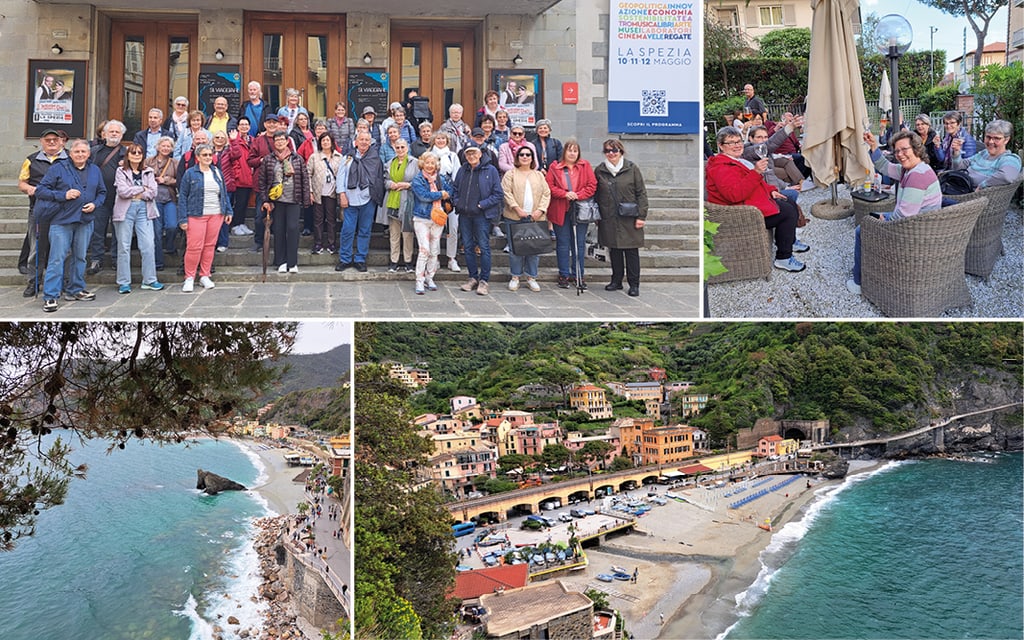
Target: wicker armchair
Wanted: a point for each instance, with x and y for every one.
(914, 267)
(742, 242)
(986, 244)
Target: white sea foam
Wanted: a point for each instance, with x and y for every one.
(784, 541)
(262, 477)
(236, 591)
(201, 629)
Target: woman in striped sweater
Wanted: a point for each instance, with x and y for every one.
(918, 186)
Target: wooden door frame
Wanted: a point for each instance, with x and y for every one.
(162, 32)
(436, 38)
(291, 24)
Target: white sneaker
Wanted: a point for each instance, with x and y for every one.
(240, 230)
(453, 265)
(513, 284)
(189, 285)
(206, 282)
(283, 268)
(532, 283)
(221, 249)
(807, 185)
(248, 231)
(852, 287)
(294, 269)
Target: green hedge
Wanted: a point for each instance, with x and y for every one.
(785, 79)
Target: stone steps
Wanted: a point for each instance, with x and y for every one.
(671, 253)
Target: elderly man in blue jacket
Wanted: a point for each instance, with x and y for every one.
(67, 199)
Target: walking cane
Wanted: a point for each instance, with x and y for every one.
(35, 277)
(266, 243)
(575, 250)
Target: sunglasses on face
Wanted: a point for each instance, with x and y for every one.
(135, 153)
(517, 133)
(617, 151)
(525, 154)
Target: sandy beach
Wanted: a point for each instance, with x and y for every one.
(280, 490)
(694, 555)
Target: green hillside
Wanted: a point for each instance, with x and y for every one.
(879, 374)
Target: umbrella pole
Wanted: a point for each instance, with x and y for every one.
(835, 193)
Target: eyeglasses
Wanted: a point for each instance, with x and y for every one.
(610, 150)
(524, 155)
(137, 152)
(518, 133)
(898, 150)
(727, 142)
(994, 138)
(206, 154)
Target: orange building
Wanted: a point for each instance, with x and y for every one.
(591, 400)
(647, 444)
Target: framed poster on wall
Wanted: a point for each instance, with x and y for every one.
(55, 97)
(219, 81)
(367, 88)
(521, 93)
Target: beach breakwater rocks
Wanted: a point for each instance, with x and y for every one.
(280, 621)
(212, 484)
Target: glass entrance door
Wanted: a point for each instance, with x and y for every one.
(438, 64)
(306, 53)
(150, 64)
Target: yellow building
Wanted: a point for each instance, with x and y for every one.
(591, 400)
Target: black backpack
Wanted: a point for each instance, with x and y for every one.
(955, 182)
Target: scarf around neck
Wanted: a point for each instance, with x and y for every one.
(615, 168)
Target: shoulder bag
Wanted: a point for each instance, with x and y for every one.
(624, 209)
(584, 210)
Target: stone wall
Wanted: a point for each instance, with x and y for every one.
(571, 626)
(310, 595)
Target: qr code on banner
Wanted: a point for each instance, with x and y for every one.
(653, 102)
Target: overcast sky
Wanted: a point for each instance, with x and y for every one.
(950, 35)
(321, 336)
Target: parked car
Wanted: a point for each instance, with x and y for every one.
(564, 517)
(577, 513)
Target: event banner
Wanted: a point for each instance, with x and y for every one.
(654, 57)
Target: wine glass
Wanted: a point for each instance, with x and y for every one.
(761, 150)
(747, 114)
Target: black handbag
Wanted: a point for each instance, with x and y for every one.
(624, 209)
(528, 238)
(956, 182)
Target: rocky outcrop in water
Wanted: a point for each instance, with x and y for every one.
(212, 484)
(835, 468)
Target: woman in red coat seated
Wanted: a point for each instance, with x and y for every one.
(732, 180)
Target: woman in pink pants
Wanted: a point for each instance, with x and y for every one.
(204, 199)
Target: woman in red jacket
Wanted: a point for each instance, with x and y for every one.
(732, 180)
(571, 179)
(238, 160)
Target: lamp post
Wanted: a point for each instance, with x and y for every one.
(894, 38)
(931, 56)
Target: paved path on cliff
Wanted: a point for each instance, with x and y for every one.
(915, 432)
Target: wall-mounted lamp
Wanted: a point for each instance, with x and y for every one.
(56, 49)
(218, 54)
(518, 60)
(367, 58)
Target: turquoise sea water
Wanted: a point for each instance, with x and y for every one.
(924, 549)
(136, 552)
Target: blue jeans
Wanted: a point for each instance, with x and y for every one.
(856, 251)
(135, 221)
(356, 224)
(64, 239)
(792, 194)
(165, 230)
(518, 264)
(570, 258)
(475, 231)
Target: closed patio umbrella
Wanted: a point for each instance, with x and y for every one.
(885, 92)
(836, 111)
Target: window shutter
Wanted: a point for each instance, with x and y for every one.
(753, 19)
(789, 15)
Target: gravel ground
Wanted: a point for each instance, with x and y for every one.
(819, 291)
